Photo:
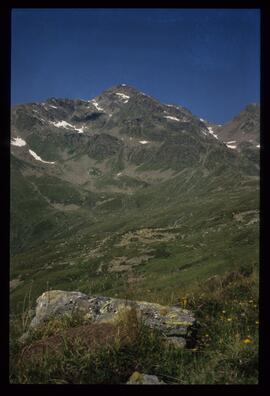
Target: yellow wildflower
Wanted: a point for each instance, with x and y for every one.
(184, 301)
(257, 322)
(247, 341)
(229, 319)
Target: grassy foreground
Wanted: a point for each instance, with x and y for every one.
(224, 349)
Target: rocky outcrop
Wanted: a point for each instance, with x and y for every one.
(173, 322)
(144, 379)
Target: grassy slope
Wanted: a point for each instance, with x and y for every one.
(208, 240)
(212, 211)
(223, 350)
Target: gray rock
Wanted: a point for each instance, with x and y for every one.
(24, 338)
(144, 379)
(172, 321)
(56, 302)
(178, 342)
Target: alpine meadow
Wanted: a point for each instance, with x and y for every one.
(134, 243)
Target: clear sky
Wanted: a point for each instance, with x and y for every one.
(207, 60)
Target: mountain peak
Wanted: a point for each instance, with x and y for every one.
(250, 110)
(122, 88)
(252, 107)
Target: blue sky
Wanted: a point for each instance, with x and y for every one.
(207, 60)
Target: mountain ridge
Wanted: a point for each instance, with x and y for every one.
(147, 195)
(128, 123)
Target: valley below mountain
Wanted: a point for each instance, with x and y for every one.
(126, 197)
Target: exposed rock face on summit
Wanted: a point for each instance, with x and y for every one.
(173, 322)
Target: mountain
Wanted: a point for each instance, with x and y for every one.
(244, 128)
(123, 190)
(123, 125)
(242, 133)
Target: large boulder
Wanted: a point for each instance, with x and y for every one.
(173, 322)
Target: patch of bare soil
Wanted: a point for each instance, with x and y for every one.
(120, 264)
(147, 236)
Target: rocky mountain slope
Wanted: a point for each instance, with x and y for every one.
(242, 133)
(123, 194)
(114, 134)
(244, 128)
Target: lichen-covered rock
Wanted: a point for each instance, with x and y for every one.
(144, 379)
(57, 302)
(178, 342)
(173, 321)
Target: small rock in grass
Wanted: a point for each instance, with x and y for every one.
(144, 379)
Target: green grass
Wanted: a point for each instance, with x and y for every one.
(53, 250)
(227, 316)
(205, 245)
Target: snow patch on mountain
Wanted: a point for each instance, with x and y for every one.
(67, 125)
(210, 130)
(170, 105)
(172, 118)
(41, 119)
(80, 130)
(123, 96)
(54, 107)
(37, 157)
(19, 142)
(97, 106)
(144, 94)
(144, 141)
(63, 124)
(231, 144)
